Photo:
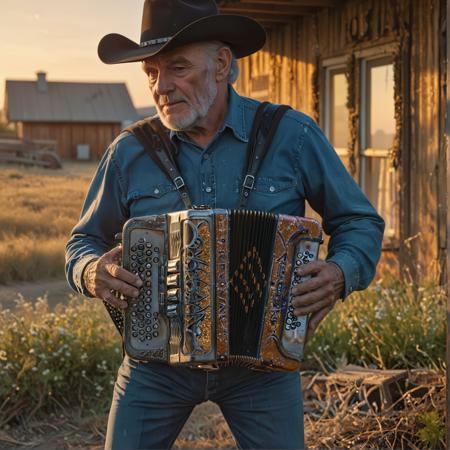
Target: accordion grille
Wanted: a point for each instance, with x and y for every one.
(251, 246)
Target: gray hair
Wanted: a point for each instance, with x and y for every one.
(213, 47)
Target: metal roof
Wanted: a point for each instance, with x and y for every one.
(68, 102)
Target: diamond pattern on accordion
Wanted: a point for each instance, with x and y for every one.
(144, 321)
(245, 280)
(302, 257)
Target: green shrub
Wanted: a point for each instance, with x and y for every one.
(56, 359)
(390, 325)
(432, 431)
(70, 356)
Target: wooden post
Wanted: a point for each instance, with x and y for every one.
(447, 122)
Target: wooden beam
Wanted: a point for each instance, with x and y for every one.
(251, 8)
(275, 3)
(269, 17)
(447, 132)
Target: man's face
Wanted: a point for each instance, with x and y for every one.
(183, 85)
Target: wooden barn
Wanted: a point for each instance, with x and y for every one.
(82, 118)
(372, 73)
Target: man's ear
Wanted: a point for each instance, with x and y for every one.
(223, 64)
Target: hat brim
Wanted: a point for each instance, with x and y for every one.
(244, 35)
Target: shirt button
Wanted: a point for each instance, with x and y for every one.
(272, 189)
(206, 156)
(208, 189)
(156, 191)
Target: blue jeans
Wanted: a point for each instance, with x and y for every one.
(152, 402)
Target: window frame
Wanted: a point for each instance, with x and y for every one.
(332, 66)
(367, 62)
(329, 73)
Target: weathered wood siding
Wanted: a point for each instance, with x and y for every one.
(69, 135)
(412, 31)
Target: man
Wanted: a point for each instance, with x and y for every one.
(188, 53)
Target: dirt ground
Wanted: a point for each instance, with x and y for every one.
(206, 428)
(57, 291)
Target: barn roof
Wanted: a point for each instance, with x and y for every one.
(43, 101)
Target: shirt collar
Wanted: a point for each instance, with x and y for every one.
(234, 120)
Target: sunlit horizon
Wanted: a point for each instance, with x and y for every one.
(61, 38)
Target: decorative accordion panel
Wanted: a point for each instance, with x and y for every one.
(217, 287)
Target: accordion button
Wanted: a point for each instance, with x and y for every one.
(148, 245)
(155, 334)
(134, 334)
(272, 189)
(156, 249)
(149, 253)
(141, 247)
(156, 260)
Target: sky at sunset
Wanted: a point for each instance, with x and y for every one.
(60, 37)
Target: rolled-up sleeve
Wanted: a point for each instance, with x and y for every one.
(103, 214)
(354, 227)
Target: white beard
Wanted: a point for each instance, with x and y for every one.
(187, 121)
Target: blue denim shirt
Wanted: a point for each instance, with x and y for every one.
(300, 165)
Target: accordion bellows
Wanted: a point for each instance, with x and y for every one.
(217, 287)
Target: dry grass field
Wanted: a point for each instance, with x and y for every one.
(38, 209)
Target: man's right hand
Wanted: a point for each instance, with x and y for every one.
(104, 275)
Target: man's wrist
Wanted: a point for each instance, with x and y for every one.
(86, 276)
(340, 278)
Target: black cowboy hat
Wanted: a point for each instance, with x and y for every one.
(167, 24)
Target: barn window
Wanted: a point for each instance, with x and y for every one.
(377, 176)
(336, 112)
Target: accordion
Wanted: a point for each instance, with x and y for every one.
(217, 287)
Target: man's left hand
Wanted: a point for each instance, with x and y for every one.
(318, 294)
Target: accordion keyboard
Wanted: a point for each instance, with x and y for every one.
(144, 311)
(145, 325)
(303, 256)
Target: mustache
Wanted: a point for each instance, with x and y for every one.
(174, 98)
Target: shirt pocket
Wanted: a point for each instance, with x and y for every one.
(275, 194)
(271, 185)
(157, 198)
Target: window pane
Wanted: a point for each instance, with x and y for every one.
(339, 111)
(380, 188)
(381, 113)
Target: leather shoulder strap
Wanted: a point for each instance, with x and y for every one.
(153, 137)
(264, 127)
